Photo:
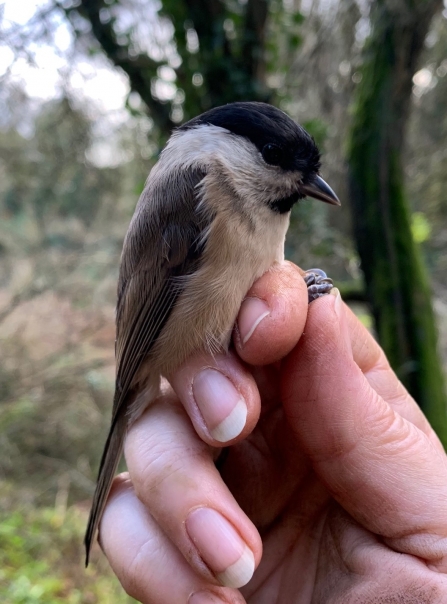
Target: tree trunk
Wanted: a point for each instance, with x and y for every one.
(396, 280)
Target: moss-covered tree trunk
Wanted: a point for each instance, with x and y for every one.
(396, 281)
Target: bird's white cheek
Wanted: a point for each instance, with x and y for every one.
(256, 182)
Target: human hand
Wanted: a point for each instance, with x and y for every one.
(341, 475)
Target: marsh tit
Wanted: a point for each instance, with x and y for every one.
(211, 220)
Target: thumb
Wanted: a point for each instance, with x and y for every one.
(379, 466)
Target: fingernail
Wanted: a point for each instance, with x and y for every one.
(252, 311)
(221, 547)
(338, 305)
(221, 405)
(204, 597)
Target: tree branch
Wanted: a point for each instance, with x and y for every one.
(254, 40)
(140, 69)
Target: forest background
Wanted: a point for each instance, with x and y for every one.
(89, 91)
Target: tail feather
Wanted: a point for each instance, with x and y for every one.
(109, 462)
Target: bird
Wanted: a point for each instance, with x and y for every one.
(212, 219)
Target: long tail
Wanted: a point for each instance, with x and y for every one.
(107, 468)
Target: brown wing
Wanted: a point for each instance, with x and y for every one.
(165, 241)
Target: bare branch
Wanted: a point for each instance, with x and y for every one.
(139, 68)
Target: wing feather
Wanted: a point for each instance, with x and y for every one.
(149, 285)
(165, 242)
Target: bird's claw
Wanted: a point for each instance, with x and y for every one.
(318, 283)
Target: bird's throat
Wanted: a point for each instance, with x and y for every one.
(284, 205)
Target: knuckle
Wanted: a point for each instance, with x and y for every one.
(165, 463)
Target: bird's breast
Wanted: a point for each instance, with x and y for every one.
(237, 252)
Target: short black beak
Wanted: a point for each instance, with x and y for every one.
(319, 189)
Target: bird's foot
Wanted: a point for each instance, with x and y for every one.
(318, 283)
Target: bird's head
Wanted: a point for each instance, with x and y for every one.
(258, 150)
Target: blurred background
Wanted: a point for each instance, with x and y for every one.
(89, 91)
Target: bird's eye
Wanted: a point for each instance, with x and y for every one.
(272, 154)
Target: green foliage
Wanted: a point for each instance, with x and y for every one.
(221, 52)
(49, 176)
(420, 227)
(285, 36)
(229, 55)
(57, 294)
(41, 559)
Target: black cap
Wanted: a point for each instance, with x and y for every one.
(263, 125)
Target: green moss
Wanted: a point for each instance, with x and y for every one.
(395, 277)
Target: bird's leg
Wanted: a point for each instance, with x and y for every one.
(318, 283)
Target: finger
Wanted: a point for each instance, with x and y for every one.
(371, 359)
(218, 393)
(173, 474)
(220, 396)
(379, 466)
(272, 316)
(147, 564)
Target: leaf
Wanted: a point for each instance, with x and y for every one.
(298, 18)
(420, 227)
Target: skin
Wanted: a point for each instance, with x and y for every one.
(337, 471)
